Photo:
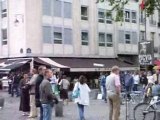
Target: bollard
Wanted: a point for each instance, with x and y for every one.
(1, 102)
(157, 115)
(59, 109)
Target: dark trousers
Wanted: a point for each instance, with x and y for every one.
(15, 88)
(104, 94)
(128, 91)
(135, 88)
(10, 89)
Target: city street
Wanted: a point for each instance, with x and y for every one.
(98, 110)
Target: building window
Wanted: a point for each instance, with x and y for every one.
(108, 17)
(4, 34)
(142, 35)
(84, 37)
(109, 41)
(67, 36)
(142, 18)
(46, 7)
(58, 35)
(101, 39)
(105, 40)
(121, 36)
(47, 34)
(67, 10)
(134, 17)
(101, 15)
(134, 38)
(4, 9)
(84, 13)
(127, 16)
(152, 34)
(57, 8)
(152, 20)
(127, 37)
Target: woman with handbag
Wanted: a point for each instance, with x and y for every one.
(81, 95)
(24, 96)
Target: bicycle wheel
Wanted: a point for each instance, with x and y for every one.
(151, 115)
(139, 109)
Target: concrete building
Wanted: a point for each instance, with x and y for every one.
(73, 29)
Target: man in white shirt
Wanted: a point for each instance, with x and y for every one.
(113, 86)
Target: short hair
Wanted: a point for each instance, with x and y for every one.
(82, 79)
(47, 71)
(64, 76)
(34, 71)
(115, 68)
(40, 68)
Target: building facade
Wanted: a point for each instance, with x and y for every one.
(73, 28)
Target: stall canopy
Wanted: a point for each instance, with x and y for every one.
(9, 65)
(53, 63)
(12, 64)
(94, 64)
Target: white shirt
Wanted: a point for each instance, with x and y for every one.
(83, 99)
(136, 79)
(150, 79)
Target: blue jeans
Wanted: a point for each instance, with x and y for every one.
(104, 94)
(81, 111)
(47, 112)
(41, 113)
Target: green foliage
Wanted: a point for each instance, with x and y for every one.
(118, 6)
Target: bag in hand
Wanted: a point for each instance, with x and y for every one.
(76, 93)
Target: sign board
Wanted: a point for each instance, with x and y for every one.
(146, 53)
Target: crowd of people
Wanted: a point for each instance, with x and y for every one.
(40, 89)
(148, 82)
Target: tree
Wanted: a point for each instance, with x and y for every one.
(118, 5)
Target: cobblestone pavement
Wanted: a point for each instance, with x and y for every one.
(98, 110)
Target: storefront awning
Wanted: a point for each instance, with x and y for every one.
(50, 62)
(94, 64)
(13, 64)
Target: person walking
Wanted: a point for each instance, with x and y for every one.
(156, 76)
(15, 85)
(47, 97)
(83, 98)
(24, 98)
(103, 86)
(129, 82)
(113, 86)
(136, 79)
(41, 71)
(64, 86)
(32, 82)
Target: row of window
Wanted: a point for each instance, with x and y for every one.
(58, 35)
(142, 36)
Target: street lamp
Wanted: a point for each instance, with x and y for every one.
(19, 18)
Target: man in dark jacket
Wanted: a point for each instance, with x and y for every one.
(129, 82)
(15, 84)
(41, 71)
(46, 95)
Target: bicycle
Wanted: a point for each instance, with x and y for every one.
(135, 97)
(147, 111)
